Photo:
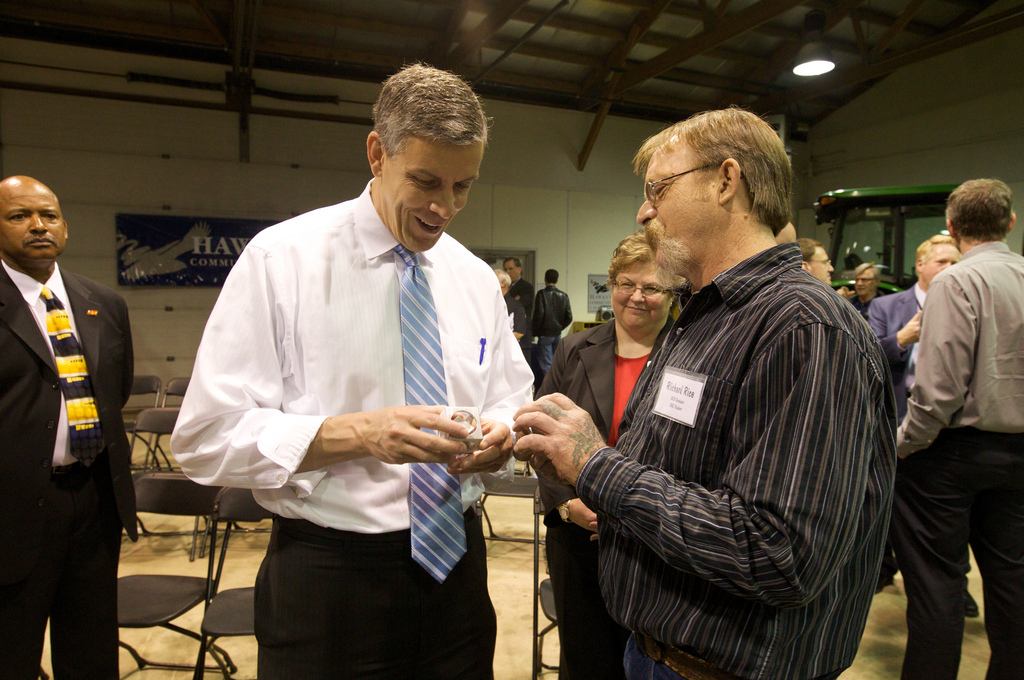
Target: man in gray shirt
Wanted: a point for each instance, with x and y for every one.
(964, 426)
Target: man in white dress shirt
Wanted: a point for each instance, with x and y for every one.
(299, 393)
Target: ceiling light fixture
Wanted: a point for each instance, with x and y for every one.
(814, 57)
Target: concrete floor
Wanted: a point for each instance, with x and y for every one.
(511, 584)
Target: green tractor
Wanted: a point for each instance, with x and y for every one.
(883, 225)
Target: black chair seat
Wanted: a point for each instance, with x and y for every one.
(231, 613)
(146, 600)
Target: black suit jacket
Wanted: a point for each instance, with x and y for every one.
(584, 370)
(522, 290)
(30, 408)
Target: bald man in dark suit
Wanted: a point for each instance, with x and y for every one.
(62, 507)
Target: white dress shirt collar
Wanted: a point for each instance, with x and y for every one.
(31, 289)
(375, 237)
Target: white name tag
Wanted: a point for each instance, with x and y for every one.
(679, 397)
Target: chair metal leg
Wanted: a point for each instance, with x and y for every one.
(144, 663)
(220, 655)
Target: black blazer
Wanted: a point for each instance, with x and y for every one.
(30, 410)
(584, 370)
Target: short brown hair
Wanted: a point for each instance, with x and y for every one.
(924, 251)
(716, 136)
(808, 246)
(434, 105)
(634, 250)
(980, 210)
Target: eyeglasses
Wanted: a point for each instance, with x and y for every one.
(627, 288)
(826, 261)
(655, 189)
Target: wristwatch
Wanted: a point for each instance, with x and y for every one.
(563, 511)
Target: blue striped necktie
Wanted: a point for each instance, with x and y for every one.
(435, 496)
(84, 431)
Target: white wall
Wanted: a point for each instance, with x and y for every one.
(102, 157)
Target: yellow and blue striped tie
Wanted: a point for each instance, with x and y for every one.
(84, 431)
(435, 496)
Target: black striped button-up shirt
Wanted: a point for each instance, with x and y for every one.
(753, 537)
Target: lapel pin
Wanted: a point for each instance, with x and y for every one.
(92, 312)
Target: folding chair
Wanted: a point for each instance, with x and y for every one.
(155, 600)
(520, 486)
(543, 596)
(228, 612)
(142, 386)
(176, 387)
(150, 425)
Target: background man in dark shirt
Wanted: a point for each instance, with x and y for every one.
(742, 515)
(552, 314)
(521, 289)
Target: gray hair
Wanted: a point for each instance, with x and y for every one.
(503, 277)
(863, 267)
(434, 105)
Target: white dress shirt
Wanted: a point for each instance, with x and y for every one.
(307, 326)
(32, 291)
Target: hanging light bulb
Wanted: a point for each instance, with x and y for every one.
(814, 57)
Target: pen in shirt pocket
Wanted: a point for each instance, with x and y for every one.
(483, 344)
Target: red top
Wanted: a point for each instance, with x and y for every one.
(626, 373)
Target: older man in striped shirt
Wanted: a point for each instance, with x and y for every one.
(742, 514)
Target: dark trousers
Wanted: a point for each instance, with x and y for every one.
(968, 487)
(592, 642)
(73, 585)
(336, 604)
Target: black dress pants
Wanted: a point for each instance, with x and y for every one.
(73, 585)
(336, 604)
(967, 487)
(592, 642)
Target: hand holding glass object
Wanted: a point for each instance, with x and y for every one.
(468, 417)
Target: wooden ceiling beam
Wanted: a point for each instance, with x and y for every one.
(487, 27)
(209, 20)
(95, 22)
(309, 50)
(886, 40)
(352, 23)
(871, 16)
(616, 58)
(541, 51)
(447, 39)
(735, 24)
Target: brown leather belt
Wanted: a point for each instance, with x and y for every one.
(683, 663)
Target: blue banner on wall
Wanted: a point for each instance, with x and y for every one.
(166, 250)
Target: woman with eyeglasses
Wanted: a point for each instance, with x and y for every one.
(597, 369)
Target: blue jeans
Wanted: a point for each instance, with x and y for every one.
(639, 666)
(545, 347)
